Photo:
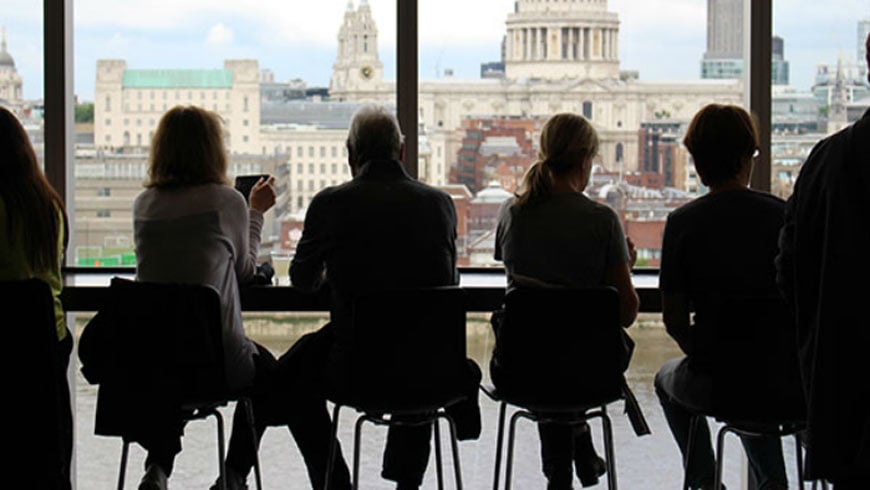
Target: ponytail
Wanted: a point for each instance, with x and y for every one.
(538, 182)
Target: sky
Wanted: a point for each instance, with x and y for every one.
(662, 39)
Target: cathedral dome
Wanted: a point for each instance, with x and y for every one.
(6, 60)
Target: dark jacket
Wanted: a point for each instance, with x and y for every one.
(382, 230)
(823, 271)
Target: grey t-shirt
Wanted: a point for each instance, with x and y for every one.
(562, 240)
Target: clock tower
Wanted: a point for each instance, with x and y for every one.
(357, 69)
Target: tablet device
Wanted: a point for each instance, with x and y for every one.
(244, 183)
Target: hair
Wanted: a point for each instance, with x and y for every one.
(374, 133)
(721, 138)
(32, 205)
(187, 149)
(568, 141)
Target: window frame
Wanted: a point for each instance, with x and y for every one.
(59, 95)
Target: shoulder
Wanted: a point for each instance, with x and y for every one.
(582, 204)
(767, 199)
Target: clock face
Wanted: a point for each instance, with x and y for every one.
(366, 72)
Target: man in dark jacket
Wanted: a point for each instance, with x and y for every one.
(823, 271)
(383, 230)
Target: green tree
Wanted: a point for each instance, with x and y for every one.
(85, 112)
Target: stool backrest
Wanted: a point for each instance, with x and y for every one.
(409, 348)
(162, 350)
(755, 365)
(29, 328)
(562, 346)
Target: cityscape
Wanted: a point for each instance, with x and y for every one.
(477, 136)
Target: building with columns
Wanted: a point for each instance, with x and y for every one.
(575, 39)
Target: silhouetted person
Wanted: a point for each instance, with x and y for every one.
(552, 235)
(720, 245)
(380, 231)
(187, 183)
(33, 239)
(824, 270)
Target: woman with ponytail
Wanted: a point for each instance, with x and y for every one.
(33, 239)
(552, 235)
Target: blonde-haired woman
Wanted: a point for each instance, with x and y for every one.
(551, 234)
(192, 227)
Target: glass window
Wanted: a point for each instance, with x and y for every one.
(588, 58)
(819, 82)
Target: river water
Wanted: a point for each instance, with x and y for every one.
(649, 462)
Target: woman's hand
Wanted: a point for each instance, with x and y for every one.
(632, 253)
(263, 194)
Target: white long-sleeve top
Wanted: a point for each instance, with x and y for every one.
(203, 234)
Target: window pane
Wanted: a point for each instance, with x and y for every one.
(278, 78)
(21, 67)
(820, 80)
(492, 77)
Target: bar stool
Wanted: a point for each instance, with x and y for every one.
(755, 374)
(160, 352)
(37, 384)
(548, 345)
(407, 365)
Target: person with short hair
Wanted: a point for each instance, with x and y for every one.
(34, 233)
(823, 271)
(722, 243)
(382, 230)
(552, 235)
(187, 185)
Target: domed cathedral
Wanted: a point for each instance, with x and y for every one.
(10, 80)
(559, 56)
(562, 39)
(357, 68)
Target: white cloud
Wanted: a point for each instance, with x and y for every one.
(219, 35)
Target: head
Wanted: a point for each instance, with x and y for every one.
(28, 197)
(568, 145)
(722, 140)
(187, 149)
(19, 163)
(374, 134)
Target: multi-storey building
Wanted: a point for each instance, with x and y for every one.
(129, 102)
(559, 57)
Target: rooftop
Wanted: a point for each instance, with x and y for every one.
(210, 79)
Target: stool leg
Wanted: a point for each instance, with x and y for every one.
(457, 468)
(357, 435)
(439, 472)
(608, 448)
(509, 465)
(249, 414)
(125, 451)
(333, 446)
(720, 455)
(222, 468)
(693, 431)
(800, 460)
(498, 445)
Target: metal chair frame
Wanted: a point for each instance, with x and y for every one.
(579, 415)
(385, 419)
(202, 413)
(437, 304)
(738, 428)
(198, 406)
